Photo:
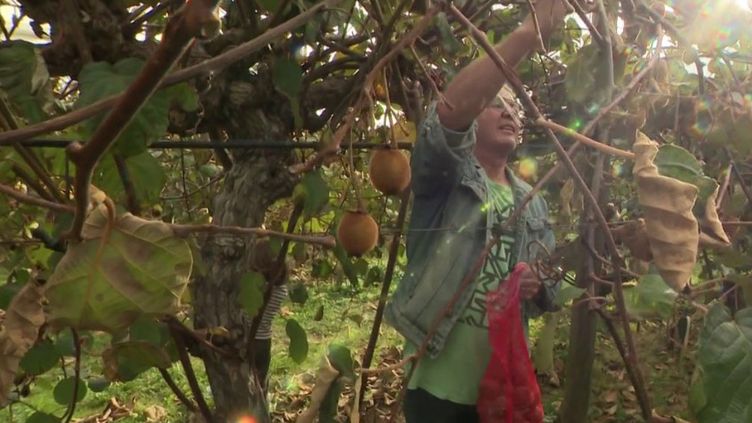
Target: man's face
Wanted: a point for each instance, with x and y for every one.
(497, 129)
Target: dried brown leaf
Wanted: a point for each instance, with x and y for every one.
(712, 233)
(325, 376)
(667, 204)
(23, 318)
(634, 236)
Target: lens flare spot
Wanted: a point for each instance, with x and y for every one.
(246, 419)
(576, 124)
(528, 168)
(617, 169)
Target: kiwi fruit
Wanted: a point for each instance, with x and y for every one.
(389, 170)
(357, 232)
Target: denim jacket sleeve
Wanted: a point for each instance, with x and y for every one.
(438, 153)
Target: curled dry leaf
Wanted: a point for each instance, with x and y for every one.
(325, 378)
(672, 229)
(123, 269)
(634, 235)
(712, 233)
(23, 318)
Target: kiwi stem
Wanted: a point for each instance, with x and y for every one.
(389, 112)
(388, 275)
(359, 203)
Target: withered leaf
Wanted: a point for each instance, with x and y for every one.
(20, 329)
(120, 271)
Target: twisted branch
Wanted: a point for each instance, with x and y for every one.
(180, 31)
(214, 64)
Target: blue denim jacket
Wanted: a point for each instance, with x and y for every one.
(448, 230)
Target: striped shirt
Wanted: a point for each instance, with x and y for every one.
(279, 293)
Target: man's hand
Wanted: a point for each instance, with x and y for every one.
(530, 285)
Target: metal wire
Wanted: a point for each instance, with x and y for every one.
(230, 144)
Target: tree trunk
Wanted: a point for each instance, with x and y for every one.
(251, 186)
(256, 180)
(579, 367)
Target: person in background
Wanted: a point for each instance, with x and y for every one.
(264, 261)
(463, 191)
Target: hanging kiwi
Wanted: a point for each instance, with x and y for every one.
(389, 170)
(357, 232)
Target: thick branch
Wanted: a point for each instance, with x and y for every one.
(180, 31)
(215, 64)
(388, 274)
(185, 230)
(190, 405)
(603, 148)
(131, 199)
(185, 361)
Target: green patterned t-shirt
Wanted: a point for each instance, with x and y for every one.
(455, 374)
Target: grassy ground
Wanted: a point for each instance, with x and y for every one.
(347, 319)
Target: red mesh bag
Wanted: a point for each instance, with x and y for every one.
(509, 391)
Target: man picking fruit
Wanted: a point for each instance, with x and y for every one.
(463, 191)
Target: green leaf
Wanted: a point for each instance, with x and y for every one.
(145, 172)
(7, 292)
(98, 384)
(251, 296)
(543, 353)
(149, 330)
(101, 79)
(319, 313)
(40, 358)
(651, 298)
(63, 391)
(321, 269)
(23, 73)
(268, 5)
(298, 341)
(40, 417)
(374, 275)
(298, 293)
(328, 410)
(360, 266)
(124, 361)
(288, 77)
(723, 386)
(341, 359)
(582, 74)
(448, 40)
(65, 344)
(678, 163)
(313, 192)
(210, 170)
(122, 270)
(567, 293)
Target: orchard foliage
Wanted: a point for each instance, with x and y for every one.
(668, 81)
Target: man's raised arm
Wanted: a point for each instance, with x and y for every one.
(477, 84)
